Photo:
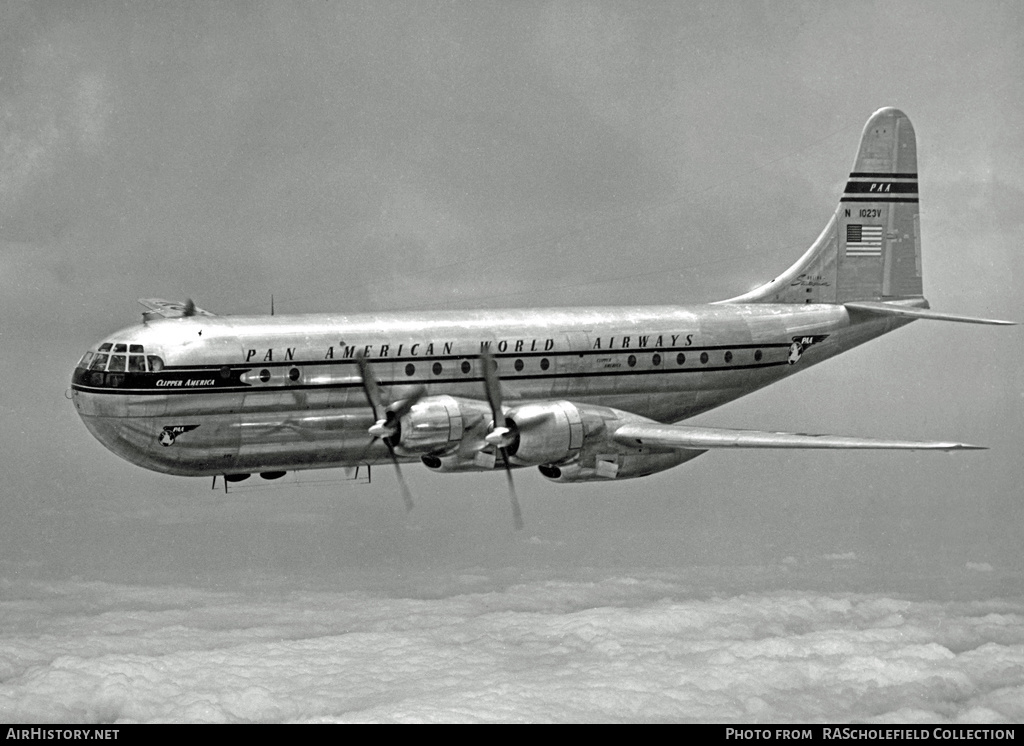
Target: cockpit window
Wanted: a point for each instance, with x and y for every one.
(111, 364)
(120, 363)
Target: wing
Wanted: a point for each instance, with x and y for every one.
(684, 437)
(171, 309)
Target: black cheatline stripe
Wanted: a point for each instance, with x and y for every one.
(441, 358)
(879, 175)
(179, 391)
(913, 200)
(891, 187)
(435, 381)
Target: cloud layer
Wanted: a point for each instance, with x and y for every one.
(644, 648)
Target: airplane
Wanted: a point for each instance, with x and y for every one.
(583, 394)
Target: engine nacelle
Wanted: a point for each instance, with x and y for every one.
(545, 433)
(436, 424)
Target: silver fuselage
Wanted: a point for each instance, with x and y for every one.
(281, 393)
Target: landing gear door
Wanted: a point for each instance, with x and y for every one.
(571, 364)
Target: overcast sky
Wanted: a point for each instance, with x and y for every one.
(365, 157)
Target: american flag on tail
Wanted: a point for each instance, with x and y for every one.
(863, 240)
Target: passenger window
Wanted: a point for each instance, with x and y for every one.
(120, 347)
(135, 348)
(155, 363)
(99, 362)
(105, 347)
(117, 363)
(136, 363)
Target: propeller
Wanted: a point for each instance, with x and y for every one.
(500, 436)
(387, 427)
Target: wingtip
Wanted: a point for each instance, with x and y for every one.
(993, 322)
(962, 447)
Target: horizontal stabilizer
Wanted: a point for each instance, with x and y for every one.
(687, 437)
(170, 309)
(885, 309)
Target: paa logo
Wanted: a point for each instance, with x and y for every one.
(802, 343)
(170, 432)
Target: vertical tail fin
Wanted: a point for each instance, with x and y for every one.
(871, 248)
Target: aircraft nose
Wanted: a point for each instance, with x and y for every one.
(104, 415)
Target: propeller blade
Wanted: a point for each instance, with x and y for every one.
(517, 513)
(406, 405)
(475, 428)
(499, 435)
(406, 494)
(370, 386)
(492, 385)
(362, 456)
